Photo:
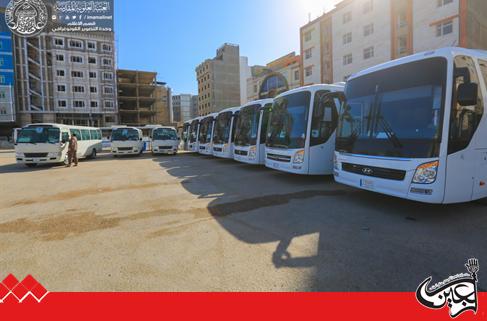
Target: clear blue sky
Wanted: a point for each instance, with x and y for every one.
(172, 37)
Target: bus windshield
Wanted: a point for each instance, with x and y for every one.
(222, 128)
(39, 135)
(125, 134)
(288, 121)
(395, 112)
(164, 134)
(206, 129)
(247, 126)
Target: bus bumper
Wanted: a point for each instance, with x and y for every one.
(222, 151)
(205, 150)
(241, 154)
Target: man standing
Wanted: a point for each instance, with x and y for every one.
(72, 151)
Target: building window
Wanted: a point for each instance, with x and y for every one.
(307, 35)
(296, 75)
(445, 28)
(368, 52)
(62, 103)
(106, 62)
(308, 71)
(61, 88)
(91, 45)
(93, 90)
(255, 90)
(308, 53)
(3, 95)
(347, 59)
(2, 61)
(347, 38)
(58, 42)
(441, 3)
(92, 60)
(108, 90)
(106, 47)
(402, 45)
(75, 44)
(368, 30)
(107, 76)
(77, 59)
(78, 89)
(347, 17)
(79, 103)
(94, 104)
(402, 20)
(109, 104)
(60, 57)
(368, 6)
(77, 74)
(93, 74)
(60, 73)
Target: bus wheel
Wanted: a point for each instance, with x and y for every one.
(93, 154)
(31, 165)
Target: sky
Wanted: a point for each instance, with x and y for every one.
(172, 37)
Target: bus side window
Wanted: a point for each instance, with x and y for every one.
(325, 118)
(464, 119)
(77, 133)
(65, 137)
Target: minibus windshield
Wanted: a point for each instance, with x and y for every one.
(164, 134)
(222, 128)
(206, 129)
(39, 135)
(125, 134)
(395, 112)
(247, 126)
(193, 131)
(288, 121)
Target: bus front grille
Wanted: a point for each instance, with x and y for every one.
(218, 149)
(379, 172)
(279, 158)
(241, 152)
(125, 149)
(35, 155)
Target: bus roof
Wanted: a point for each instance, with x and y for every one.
(213, 115)
(231, 109)
(332, 88)
(261, 102)
(59, 126)
(443, 52)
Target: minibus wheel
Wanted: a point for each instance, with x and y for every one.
(93, 154)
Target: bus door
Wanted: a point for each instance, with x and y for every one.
(324, 121)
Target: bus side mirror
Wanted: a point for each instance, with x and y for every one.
(467, 94)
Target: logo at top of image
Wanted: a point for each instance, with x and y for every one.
(458, 292)
(26, 18)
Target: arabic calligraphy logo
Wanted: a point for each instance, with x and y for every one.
(458, 292)
(26, 17)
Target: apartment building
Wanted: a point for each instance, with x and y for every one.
(182, 107)
(276, 77)
(194, 106)
(142, 99)
(66, 78)
(358, 34)
(219, 80)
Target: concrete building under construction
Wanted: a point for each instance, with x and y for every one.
(142, 99)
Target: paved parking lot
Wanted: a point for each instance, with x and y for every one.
(194, 223)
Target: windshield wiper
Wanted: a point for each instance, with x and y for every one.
(391, 135)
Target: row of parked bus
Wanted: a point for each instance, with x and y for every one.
(48, 143)
(413, 128)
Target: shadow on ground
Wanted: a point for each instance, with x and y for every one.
(366, 241)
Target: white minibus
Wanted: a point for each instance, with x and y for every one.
(48, 143)
(301, 130)
(225, 132)
(416, 128)
(165, 140)
(194, 132)
(251, 131)
(127, 141)
(205, 138)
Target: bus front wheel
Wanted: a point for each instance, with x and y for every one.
(93, 154)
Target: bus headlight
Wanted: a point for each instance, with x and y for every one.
(426, 173)
(299, 157)
(252, 152)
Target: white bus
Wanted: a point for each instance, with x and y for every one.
(165, 140)
(301, 130)
(205, 138)
(416, 128)
(251, 131)
(185, 135)
(224, 134)
(127, 141)
(48, 143)
(194, 132)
